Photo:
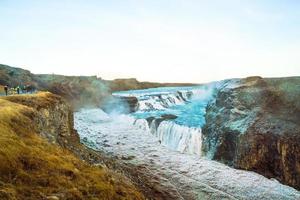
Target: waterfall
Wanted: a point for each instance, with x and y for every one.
(174, 136)
(173, 115)
(142, 124)
(162, 101)
(177, 137)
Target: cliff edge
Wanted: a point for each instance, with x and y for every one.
(254, 125)
(34, 166)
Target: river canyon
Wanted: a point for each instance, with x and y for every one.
(162, 131)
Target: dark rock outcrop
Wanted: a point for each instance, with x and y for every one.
(255, 125)
(132, 103)
(168, 117)
(158, 120)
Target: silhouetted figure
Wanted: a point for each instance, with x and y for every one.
(6, 89)
(18, 89)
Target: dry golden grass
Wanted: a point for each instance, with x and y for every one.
(2, 92)
(31, 168)
(40, 99)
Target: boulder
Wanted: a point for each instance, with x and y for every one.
(168, 117)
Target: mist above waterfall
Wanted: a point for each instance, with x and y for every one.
(115, 106)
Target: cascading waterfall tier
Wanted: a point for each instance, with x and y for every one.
(177, 137)
(162, 101)
(174, 115)
(174, 136)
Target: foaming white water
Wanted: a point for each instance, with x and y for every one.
(173, 136)
(142, 124)
(94, 115)
(177, 137)
(167, 100)
(201, 178)
(161, 101)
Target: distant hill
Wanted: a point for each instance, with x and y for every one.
(79, 90)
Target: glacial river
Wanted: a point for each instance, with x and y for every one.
(170, 147)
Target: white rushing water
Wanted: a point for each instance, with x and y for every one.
(124, 136)
(177, 137)
(186, 105)
(174, 136)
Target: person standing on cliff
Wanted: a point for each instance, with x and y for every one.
(18, 89)
(6, 89)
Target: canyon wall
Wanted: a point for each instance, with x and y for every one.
(255, 125)
(53, 116)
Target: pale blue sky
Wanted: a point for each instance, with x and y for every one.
(152, 40)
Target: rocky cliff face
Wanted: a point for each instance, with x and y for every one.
(53, 116)
(56, 122)
(255, 125)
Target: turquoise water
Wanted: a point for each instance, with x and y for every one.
(191, 114)
(156, 91)
(190, 111)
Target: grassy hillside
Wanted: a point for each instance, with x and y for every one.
(32, 168)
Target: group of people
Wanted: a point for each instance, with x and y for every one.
(18, 89)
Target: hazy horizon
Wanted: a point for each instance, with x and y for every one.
(159, 41)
